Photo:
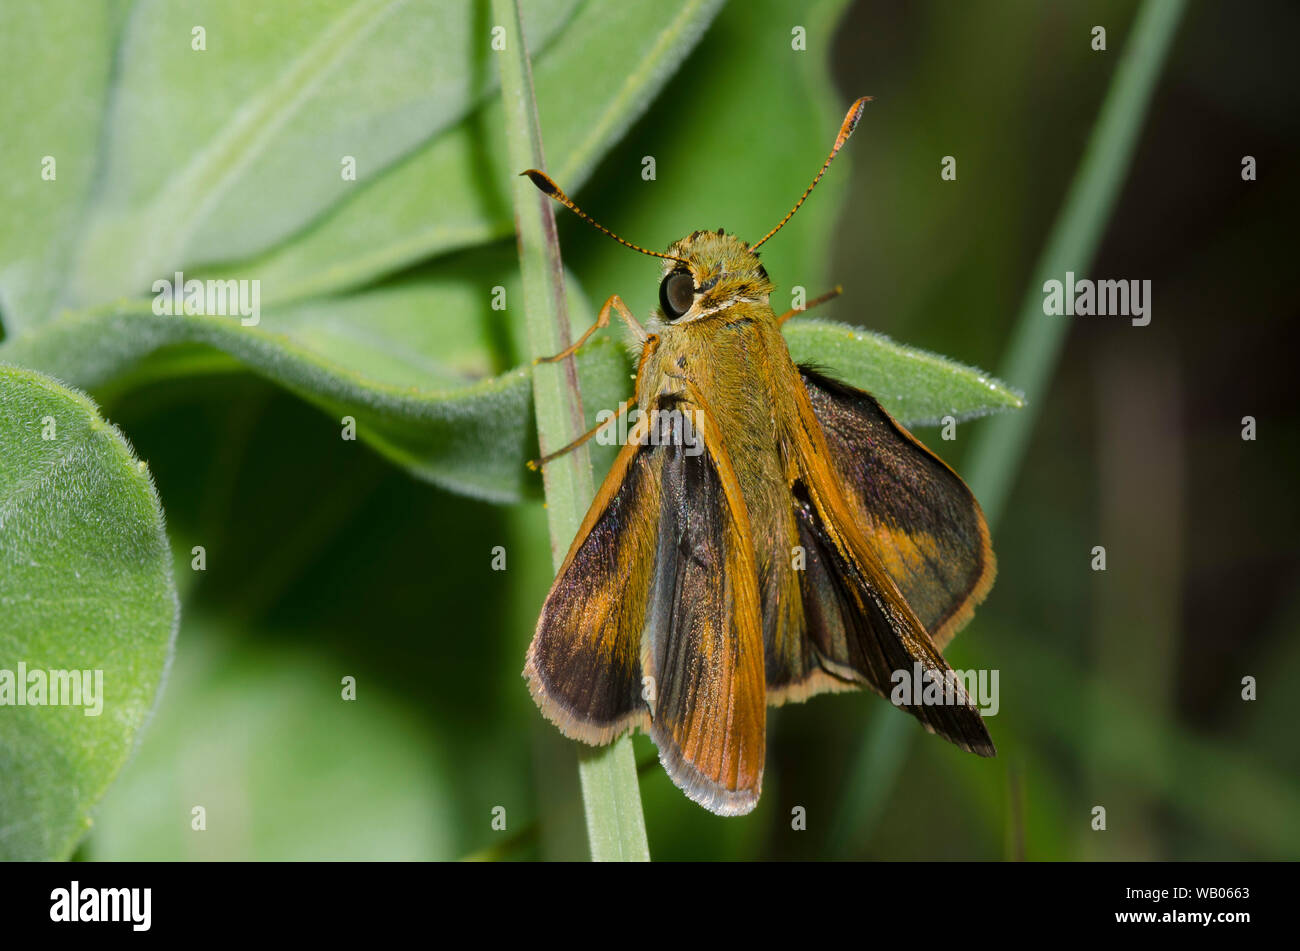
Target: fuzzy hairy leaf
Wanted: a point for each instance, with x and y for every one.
(918, 388)
(85, 585)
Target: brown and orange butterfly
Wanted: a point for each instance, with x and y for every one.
(766, 533)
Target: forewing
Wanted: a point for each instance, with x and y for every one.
(865, 636)
(584, 664)
(703, 642)
(858, 621)
(918, 516)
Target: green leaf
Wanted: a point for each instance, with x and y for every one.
(51, 110)
(85, 585)
(218, 153)
(408, 362)
(258, 124)
(284, 768)
(455, 192)
(916, 387)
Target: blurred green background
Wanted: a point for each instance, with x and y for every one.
(1119, 689)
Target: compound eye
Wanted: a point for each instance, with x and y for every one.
(676, 294)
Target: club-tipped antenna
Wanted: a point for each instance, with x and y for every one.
(547, 185)
(846, 130)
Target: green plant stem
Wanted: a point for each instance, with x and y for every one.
(1036, 344)
(1000, 443)
(611, 796)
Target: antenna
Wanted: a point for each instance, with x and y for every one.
(548, 186)
(846, 130)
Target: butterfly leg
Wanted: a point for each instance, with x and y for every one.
(602, 320)
(623, 407)
(651, 345)
(829, 295)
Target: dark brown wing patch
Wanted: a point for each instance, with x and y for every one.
(864, 636)
(921, 519)
(584, 664)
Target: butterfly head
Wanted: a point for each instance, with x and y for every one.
(710, 271)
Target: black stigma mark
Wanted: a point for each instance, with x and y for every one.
(681, 363)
